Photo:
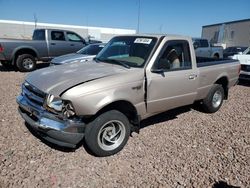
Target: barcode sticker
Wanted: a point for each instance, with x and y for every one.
(143, 40)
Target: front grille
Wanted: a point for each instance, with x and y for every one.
(33, 94)
(245, 68)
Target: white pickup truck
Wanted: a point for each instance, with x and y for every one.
(204, 49)
(244, 59)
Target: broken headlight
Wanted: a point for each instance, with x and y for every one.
(58, 105)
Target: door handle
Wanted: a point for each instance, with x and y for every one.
(72, 45)
(192, 76)
(53, 43)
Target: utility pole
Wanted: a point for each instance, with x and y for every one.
(35, 20)
(138, 18)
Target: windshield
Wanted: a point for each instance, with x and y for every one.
(91, 49)
(132, 51)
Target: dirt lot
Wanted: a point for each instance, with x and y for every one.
(181, 148)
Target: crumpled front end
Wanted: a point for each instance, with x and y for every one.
(54, 126)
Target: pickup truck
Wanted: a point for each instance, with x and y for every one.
(103, 101)
(204, 49)
(244, 59)
(45, 44)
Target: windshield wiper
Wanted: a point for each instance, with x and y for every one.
(115, 61)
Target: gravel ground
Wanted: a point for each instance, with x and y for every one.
(181, 148)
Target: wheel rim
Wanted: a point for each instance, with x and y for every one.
(217, 98)
(111, 135)
(28, 63)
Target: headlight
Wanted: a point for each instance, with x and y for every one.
(54, 103)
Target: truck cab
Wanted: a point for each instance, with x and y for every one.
(204, 49)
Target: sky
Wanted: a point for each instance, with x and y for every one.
(184, 17)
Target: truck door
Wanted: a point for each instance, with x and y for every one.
(58, 45)
(75, 42)
(172, 81)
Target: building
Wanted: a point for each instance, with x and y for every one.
(235, 33)
(24, 30)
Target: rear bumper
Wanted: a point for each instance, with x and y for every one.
(66, 133)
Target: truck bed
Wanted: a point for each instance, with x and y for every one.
(206, 61)
(210, 70)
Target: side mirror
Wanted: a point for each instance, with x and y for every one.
(195, 45)
(240, 53)
(84, 42)
(155, 70)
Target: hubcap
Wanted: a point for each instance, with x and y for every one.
(217, 98)
(28, 63)
(111, 135)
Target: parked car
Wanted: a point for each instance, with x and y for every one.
(230, 51)
(204, 49)
(105, 100)
(87, 53)
(244, 59)
(45, 44)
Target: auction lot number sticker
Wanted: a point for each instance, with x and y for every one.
(143, 40)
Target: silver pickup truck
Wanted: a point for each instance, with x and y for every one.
(203, 48)
(105, 100)
(45, 44)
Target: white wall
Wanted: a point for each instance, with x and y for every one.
(24, 30)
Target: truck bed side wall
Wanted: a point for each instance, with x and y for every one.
(209, 73)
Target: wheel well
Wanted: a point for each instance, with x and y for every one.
(24, 51)
(216, 55)
(127, 109)
(223, 81)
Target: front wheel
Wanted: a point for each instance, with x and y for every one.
(26, 63)
(108, 133)
(214, 99)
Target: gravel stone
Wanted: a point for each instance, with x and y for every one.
(180, 148)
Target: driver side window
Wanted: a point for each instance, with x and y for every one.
(175, 55)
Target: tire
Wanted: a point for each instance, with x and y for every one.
(26, 63)
(214, 99)
(108, 133)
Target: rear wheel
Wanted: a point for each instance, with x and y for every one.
(214, 99)
(26, 63)
(108, 133)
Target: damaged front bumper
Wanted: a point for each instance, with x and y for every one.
(62, 132)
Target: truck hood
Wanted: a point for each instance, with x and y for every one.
(57, 79)
(70, 58)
